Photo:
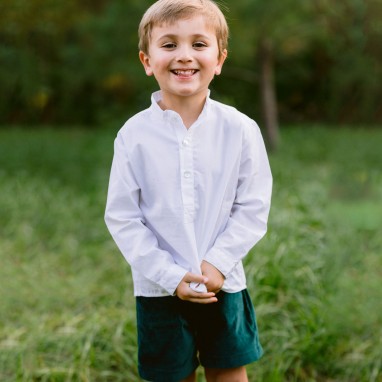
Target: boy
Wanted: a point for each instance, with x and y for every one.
(189, 195)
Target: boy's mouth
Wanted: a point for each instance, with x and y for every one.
(184, 73)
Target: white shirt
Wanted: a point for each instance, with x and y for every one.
(179, 196)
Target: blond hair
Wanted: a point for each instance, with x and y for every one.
(169, 11)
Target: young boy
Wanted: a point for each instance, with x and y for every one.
(189, 196)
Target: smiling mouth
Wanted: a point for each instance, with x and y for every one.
(184, 73)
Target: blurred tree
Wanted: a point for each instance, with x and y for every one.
(327, 53)
(30, 32)
(76, 61)
(66, 61)
(351, 32)
(270, 26)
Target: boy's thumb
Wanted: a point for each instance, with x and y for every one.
(193, 277)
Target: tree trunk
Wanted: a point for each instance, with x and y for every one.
(268, 93)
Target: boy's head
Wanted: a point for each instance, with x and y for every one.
(165, 12)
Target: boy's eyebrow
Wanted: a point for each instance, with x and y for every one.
(174, 36)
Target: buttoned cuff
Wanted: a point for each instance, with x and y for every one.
(221, 261)
(172, 277)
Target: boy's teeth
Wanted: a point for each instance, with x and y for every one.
(185, 72)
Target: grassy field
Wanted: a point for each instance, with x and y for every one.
(67, 309)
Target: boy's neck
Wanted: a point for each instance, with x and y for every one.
(189, 108)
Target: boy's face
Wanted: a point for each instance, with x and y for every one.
(184, 58)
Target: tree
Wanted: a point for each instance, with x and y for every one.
(64, 62)
(270, 26)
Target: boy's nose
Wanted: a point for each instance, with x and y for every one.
(184, 54)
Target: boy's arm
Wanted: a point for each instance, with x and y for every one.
(249, 214)
(126, 224)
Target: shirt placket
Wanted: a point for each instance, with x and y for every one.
(187, 175)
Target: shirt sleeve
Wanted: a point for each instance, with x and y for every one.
(249, 214)
(126, 224)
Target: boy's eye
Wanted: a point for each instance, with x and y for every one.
(169, 45)
(199, 44)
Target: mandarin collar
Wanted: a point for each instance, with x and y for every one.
(165, 114)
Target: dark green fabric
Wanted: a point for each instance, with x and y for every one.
(173, 335)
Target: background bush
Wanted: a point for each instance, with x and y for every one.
(76, 61)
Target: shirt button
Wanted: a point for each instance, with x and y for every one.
(186, 142)
(187, 174)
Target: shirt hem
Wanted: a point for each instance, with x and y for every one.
(166, 294)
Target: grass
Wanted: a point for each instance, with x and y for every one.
(67, 308)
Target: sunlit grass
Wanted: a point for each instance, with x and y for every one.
(67, 308)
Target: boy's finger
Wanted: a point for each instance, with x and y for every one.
(189, 293)
(204, 295)
(193, 277)
(201, 296)
(203, 300)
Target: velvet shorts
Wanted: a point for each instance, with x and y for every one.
(175, 336)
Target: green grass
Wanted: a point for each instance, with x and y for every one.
(67, 308)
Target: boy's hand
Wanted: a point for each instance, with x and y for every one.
(215, 277)
(184, 292)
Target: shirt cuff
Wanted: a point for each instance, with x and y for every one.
(221, 261)
(172, 278)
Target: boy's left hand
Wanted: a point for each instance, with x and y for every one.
(215, 277)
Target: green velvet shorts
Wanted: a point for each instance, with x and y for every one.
(175, 336)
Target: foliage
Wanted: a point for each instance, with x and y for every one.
(77, 61)
(327, 56)
(67, 309)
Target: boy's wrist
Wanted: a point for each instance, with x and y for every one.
(208, 263)
(221, 261)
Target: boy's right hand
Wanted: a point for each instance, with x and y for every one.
(184, 291)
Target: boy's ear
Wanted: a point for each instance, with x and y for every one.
(145, 59)
(221, 60)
